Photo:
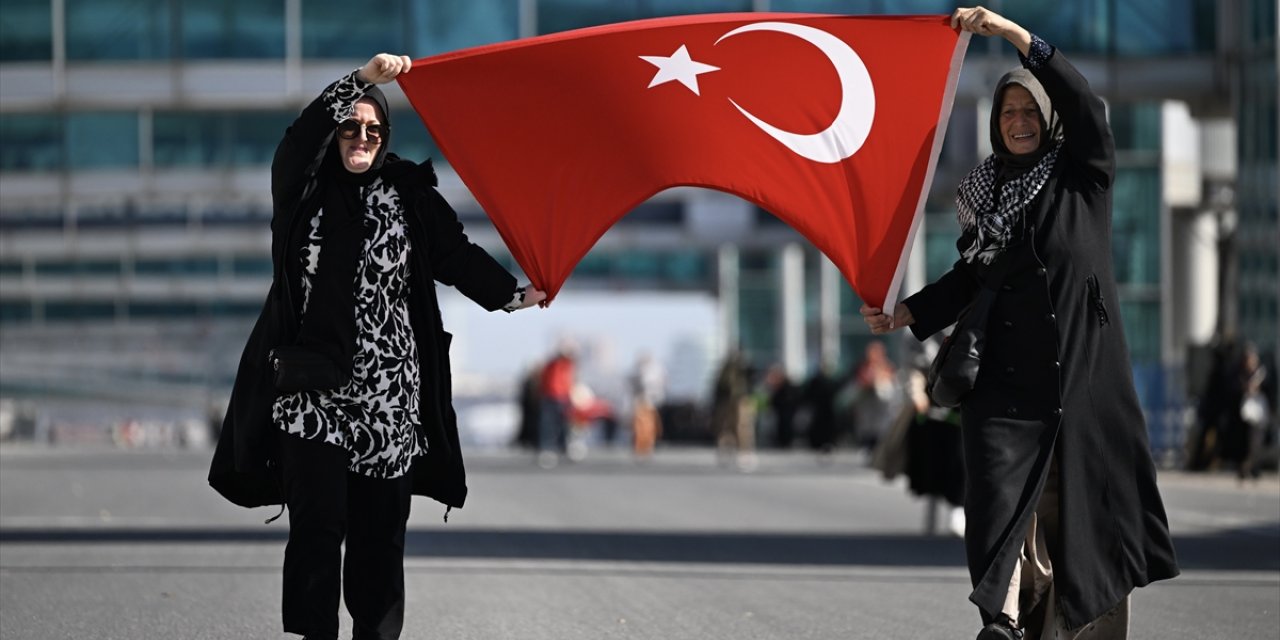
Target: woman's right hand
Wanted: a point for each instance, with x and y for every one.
(882, 323)
(384, 68)
(986, 22)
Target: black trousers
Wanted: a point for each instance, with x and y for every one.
(327, 504)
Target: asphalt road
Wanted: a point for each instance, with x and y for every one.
(108, 544)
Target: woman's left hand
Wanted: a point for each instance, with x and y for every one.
(532, 296)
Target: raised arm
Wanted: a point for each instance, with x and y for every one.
(298, 155)
(1088, 143)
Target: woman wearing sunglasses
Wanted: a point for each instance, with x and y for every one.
(363, 418)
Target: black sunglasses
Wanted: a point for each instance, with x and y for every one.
(349, 129)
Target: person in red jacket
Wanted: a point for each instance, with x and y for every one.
(557, 386)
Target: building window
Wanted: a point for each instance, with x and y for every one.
(1135, 233)
(119, 30)
(30, 142)
(449, 26)
(217, 139)
(411, 140)
(336, 29)
(26, 31)
(102, 140)
(562, 15)
(232, 29)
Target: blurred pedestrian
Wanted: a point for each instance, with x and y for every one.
(648, 388)
(530, 399)
(358, 414)
(784, 398)
(875, 396)
(557, 401)
(732, 414)
(819, 406)
(1249, 415)
(1064, 518)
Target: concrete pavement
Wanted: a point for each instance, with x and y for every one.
(102, 543)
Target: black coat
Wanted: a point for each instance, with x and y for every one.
(244, 468)
(1056, 381)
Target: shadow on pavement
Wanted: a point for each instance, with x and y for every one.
(1253, 549)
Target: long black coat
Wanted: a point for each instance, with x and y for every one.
(244, 468)
(1056, 381)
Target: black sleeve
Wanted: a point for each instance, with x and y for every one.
(1088, 142)
(298, 155)
(936, 306)
(459, 263)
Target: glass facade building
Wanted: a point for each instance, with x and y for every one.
(151, 124)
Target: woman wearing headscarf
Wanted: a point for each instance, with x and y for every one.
(359, 238)
(1064, 517)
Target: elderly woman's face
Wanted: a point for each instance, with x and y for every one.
(1019, 120)
(359, 152)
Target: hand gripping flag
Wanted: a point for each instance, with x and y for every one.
(831, 123)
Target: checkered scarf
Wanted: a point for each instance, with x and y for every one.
(986, 228)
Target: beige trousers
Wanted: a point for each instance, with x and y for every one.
(1031, 599)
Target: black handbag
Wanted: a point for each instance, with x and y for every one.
(293, 367)
(296, 368)
(955, 369)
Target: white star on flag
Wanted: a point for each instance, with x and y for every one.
(679, 67)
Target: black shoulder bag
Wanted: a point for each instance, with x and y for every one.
(295, 367)
(955, 369)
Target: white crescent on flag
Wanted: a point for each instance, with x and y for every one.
(849, 130)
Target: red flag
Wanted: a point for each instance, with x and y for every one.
(832, 123)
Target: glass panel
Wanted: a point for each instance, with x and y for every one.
(687, 267)
(79, 268)
(233, 29)
(251, 265)
(1135, 234)
(80, 310)
(410, 139)
(340, 29)
(865, 7)
(941, 232)
(26, 31)
(177, 267)
(147, 310)
(16, 311)
(757, 320)
(30, 142)
(637, 265)
(563, 15)
(188, 139)
(118, 29)
(1136, 126)
(217, 139)
(254, 135)
(1142, 328)
(102, 140)
(448, 26)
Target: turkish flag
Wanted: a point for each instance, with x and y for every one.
(832, 123)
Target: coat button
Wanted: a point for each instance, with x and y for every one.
(1012, 411)
(1050, 318)
(1057, 365)
(1058, 412)
(1008, 324)
(1042, 272)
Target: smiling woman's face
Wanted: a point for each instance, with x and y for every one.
(358, 153)
(1019, 120)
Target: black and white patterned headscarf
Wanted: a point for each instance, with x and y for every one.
(988, 223)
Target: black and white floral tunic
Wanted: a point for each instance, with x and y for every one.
(375, 416)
